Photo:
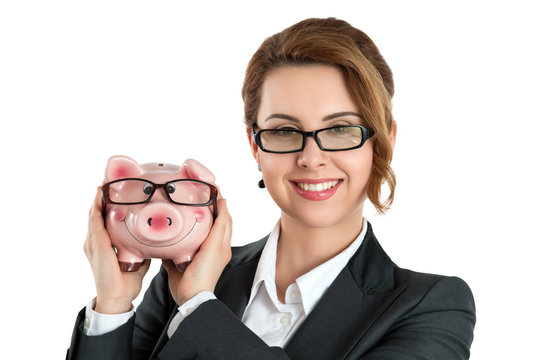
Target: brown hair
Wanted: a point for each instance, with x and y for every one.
(368, 77)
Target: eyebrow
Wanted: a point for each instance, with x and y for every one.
(341, 114)
(326, 118)
(282, 116)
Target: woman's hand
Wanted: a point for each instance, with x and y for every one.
(204, 271)
(115, 289)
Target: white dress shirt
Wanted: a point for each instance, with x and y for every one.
(274, 322)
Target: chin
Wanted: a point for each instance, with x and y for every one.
(325, 217)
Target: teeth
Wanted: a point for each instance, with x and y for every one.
(317, 187)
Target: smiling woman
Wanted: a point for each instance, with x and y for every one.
(319, 286)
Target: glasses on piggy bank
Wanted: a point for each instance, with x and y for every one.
(133, 191)
(157, 210)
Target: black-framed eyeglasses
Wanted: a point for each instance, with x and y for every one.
(336, 138)
(133, 191)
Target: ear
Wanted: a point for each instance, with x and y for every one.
(394, 133)
(121, 167)
(252, 145)
(192, 169)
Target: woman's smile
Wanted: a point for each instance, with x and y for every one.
(316, 189)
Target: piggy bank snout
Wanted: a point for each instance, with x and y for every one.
(159, 222)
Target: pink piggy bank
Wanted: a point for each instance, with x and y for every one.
(157, 210)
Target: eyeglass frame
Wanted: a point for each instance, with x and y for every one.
(106, 199)
(367, 133)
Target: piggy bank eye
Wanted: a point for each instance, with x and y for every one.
(147, 189)
(171, 188)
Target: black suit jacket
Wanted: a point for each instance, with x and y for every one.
(372, 310)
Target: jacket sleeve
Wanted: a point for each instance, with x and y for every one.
(113, 345)
(214, 332)
(134, 340)
(439, 327)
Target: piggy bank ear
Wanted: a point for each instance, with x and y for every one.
(121, 167)
(192, 169)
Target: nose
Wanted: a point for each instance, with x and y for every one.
(312, 157)
(159, 222)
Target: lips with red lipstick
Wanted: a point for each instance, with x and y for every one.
(316, 189)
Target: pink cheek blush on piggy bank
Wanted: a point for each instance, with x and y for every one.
(157, 210)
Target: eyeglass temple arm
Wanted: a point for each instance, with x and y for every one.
(214, 207)
(103, 205)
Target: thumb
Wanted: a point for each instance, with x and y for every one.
(144, 267)
(171, 268)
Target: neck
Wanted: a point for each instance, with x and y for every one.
(302, 247)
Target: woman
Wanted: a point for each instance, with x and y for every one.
(319, 124)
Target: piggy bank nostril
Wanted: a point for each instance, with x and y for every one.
(160, 222)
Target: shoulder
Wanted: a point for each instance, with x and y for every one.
(429, 295)
(433, 291)
(376, 273)
(420, 281)
(441, 308)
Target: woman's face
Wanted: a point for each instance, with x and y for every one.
(309, 98)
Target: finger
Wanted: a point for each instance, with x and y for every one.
(219, 239)
(91, 224)
(223, 211)
(169, 266)
(98, 241)
(172, 271)
(219, 224)
(95, 216)
(226, 220)
(98, 202)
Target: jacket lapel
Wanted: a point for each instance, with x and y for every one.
(356, 299)
(234, 286)
(163, 338)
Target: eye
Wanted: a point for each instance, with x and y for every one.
(339, 130)
(285, 131)
(171, 188)
(147, 189)
(282, 132)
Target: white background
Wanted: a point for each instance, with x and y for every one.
(160, 81)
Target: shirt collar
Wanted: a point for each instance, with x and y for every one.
(312, 284)
(266, 268)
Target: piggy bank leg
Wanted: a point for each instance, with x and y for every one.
(183, 262)
(182, 266)
(128, 262)
(129, 266)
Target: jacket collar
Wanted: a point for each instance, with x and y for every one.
(356, 299)
(371, 268)
(234, 286)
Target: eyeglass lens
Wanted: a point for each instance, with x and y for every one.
(138, 190)
(336, 138)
